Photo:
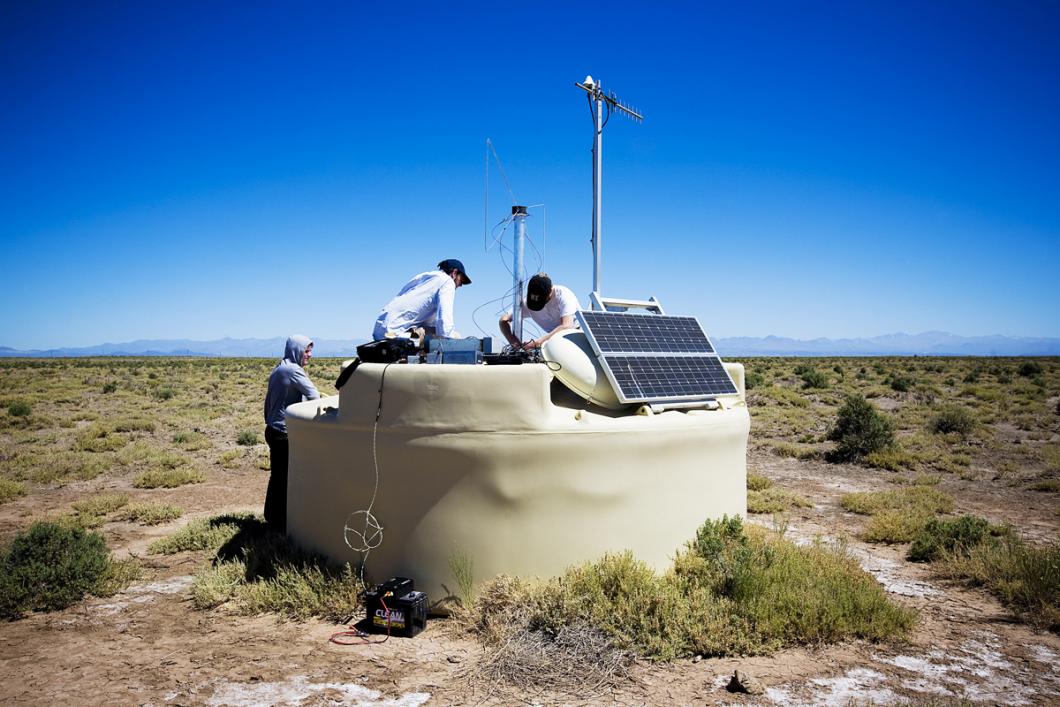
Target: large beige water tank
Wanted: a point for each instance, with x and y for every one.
(502, 465)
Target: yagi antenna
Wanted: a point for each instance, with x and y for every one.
(601, 101)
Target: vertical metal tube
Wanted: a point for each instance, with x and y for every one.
(598, 190)
(518, 276)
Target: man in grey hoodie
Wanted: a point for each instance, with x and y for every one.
(288, 384)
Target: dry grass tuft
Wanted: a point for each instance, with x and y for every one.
(899, 514)
(10, 490)
(774, 500)
(579, 660)
(168, 478)
(150, 513)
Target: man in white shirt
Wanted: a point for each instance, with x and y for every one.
(426, 301)
(551, 306)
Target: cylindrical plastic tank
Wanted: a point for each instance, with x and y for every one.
(503, 466)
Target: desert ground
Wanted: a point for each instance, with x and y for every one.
(181, 440)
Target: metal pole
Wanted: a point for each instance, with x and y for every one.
(518, 279)
(598, 173)
(596, 95)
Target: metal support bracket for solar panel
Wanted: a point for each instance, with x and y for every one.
(615, 304)
(708, 404)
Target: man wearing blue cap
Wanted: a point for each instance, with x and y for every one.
(426, 301)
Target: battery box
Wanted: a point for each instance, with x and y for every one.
(394, 607)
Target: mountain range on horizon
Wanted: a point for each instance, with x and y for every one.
(930, 343)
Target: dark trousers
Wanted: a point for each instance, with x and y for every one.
(276, 496)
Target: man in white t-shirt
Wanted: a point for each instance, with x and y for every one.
(551, 306)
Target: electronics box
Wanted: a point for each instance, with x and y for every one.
(469, 350)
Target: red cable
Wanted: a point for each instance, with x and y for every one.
(359, 634)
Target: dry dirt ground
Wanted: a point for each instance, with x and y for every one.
(147, 645)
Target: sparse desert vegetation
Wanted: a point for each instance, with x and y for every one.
(934, 463)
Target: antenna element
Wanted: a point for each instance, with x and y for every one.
(600, 100)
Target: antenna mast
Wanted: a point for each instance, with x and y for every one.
(601, 101)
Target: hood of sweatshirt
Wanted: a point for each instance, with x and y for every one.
(296, 346)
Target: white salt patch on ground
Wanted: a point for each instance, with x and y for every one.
(721, 681)
(145, 593)
(1042, 654)
(298, 688)
(173, 585)
(949, 673)
(110, 609)
(857, 685)
(886, 573)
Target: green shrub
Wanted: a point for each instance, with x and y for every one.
(109, 387)
(714, 537)
(899, 383)
(1026, 578)
(165, 392)
(248, 438)
(50, 567)
(953, 418)
(19, 408)
(814, 379)
(947, 535)
(859, 429)
(753, 380)
(1030, 368)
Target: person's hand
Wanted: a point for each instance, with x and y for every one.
(532, 344)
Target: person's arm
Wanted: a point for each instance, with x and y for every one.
(567, 322)
(443, 324)
(505, 325)
(300, 380)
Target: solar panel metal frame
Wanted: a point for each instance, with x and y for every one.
(651, 349)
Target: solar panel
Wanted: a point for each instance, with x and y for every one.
(618, 331)
(656, 358)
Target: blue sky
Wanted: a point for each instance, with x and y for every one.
(199, 170)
